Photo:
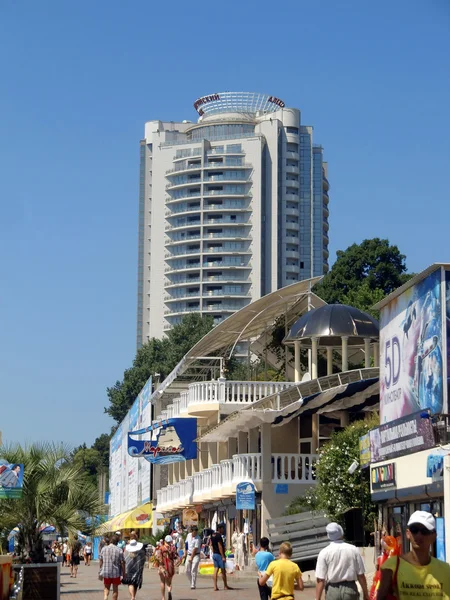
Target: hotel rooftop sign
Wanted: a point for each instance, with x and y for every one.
(240, 102)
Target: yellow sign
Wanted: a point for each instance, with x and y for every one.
(364, 450)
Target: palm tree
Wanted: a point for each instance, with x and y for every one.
(55, 490)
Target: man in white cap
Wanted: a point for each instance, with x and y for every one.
(339, 566)
(416, 575)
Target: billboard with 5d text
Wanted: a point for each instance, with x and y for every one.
(412, 350)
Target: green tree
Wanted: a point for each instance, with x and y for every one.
(101, 444)
(89, 459)
(55, 490)
(337, 490)
(363, 274)
(157, 356)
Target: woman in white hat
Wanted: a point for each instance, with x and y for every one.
(134, 565)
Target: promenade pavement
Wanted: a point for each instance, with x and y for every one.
(88, 587)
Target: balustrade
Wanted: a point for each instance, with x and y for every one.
(219, 480)
(294, 468)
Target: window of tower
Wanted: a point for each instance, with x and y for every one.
(210, 132)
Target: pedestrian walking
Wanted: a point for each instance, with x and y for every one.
(134, 565)
(165, 558)
(64, 553)
(416, 575)
(285, 575)
(87, 554)
(263, 558)
(103, 542)
(121, 542)
(75, 549)
(241, 550)
(339, 566)
(193, 556)
(112, 568)
(218, 555)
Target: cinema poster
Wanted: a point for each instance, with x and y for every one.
(412, 349)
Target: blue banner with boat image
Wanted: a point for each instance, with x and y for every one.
(170, 440)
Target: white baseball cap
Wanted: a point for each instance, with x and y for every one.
(118, 533)
(334, 532)
(423, 518)
(168, 539)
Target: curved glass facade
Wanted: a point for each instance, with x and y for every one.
(217, 131)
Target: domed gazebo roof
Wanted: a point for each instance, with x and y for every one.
(331, 323)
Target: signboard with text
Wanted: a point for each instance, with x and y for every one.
(245, 496)
(364, 450)
(402, 436)
(412, 349)
(383, 477)
(170, 440)
(11, 480)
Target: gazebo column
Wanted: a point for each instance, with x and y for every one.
(376, 355)
(329, 360)
(314, 346)
(367, 353)
(297, 362)
(344, 353)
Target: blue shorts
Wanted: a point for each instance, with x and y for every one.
(218, 561)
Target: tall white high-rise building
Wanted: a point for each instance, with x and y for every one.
(230, 208)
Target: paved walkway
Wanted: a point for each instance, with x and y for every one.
(88, 587)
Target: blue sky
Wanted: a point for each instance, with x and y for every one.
(78, 81)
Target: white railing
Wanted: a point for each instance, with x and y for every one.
(234, 392)
(220, 480)
(230, 393)
(294, 468)
(246, 467)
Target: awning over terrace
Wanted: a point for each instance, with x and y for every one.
(358, 389)
(246, 324)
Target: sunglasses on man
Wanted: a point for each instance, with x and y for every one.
(415, 529)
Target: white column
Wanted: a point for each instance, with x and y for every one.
(297, 368)
(269, 502)
(232, 447)
(242, 442)
(314, 345)
(367, 353)
(212, 454)
(376, 355)
(329, 360)
(253, 440)
(345, 353)
(266, 452)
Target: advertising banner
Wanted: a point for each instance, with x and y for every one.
(245, 496)
(402, 436)
(11, 480)
(383, 477)
(447, 334)
(190, 517)
(440, 539)
(145, 420)
(364, 450)
(172, 440)
(435, 464)
(115, 472)
(411, 347)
